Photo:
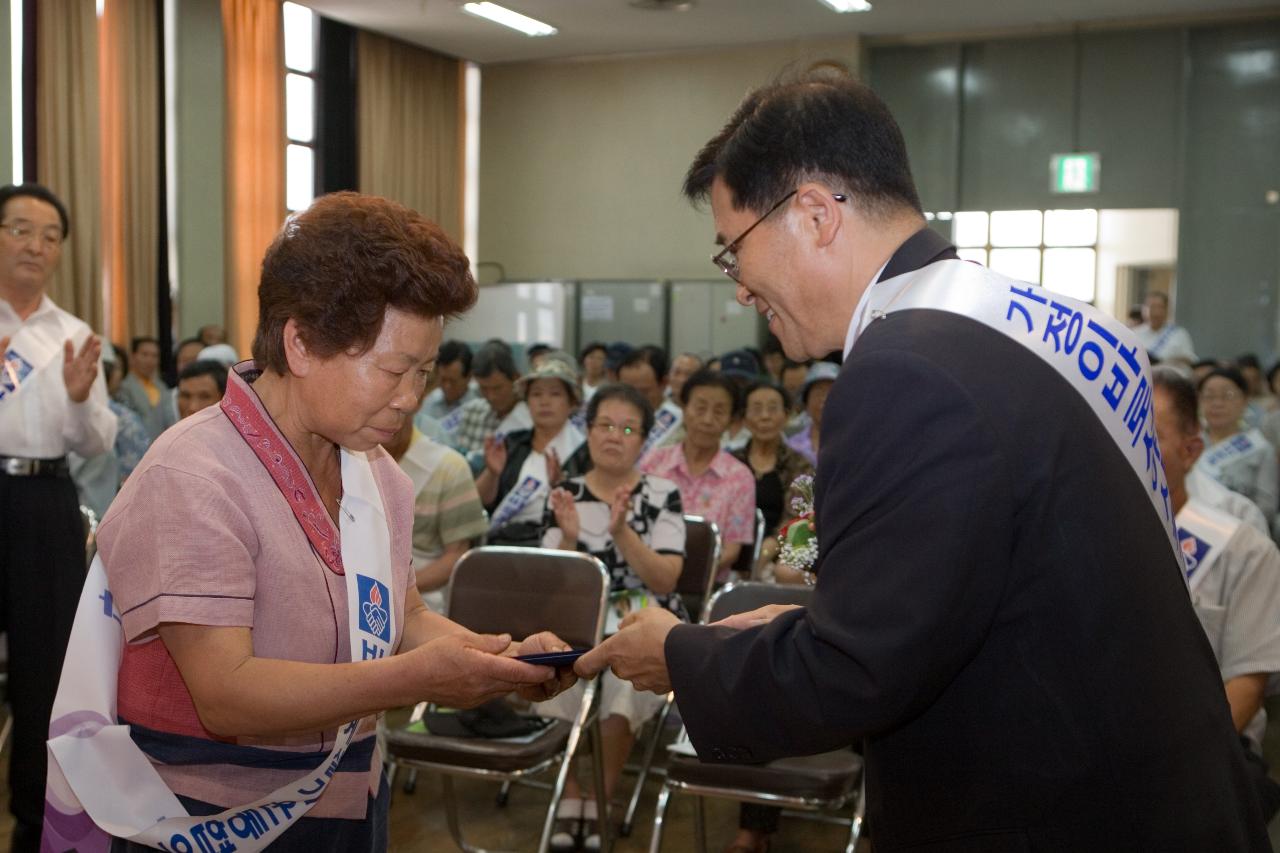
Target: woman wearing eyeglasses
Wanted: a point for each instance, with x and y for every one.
(634, 524)
(1240, 459)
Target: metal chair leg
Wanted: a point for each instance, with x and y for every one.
(411, 781)
(645, 765)
(602, 799)
(451, 816)
(855, 823)
(700, 823)
(504, 795)
(659, 815)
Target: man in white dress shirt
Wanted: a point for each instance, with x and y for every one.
(52, 400)
(1164, 340)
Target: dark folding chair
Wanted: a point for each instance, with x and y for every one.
(809, 783)
(744, 568)
(518, 591)
(701, 556)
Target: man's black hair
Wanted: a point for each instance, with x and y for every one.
(206, 368)
(140, 340)
(1183, 394)
(452, 352)
(817, 126)
(494, 359)
(625, 393)
(650, 354)
(37, 191)
(1248, 360)
(590, 348)
(708, 378)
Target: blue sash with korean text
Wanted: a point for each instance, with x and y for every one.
(1096, 354)
(101, 784)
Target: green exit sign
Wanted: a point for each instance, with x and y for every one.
(1075, 173)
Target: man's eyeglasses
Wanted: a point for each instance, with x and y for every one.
(626, 429)
(727, 258)
(50, 238)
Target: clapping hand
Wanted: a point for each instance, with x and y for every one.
(565, 509)
(495, 454)
(79, 370)
(553, 466)
(618, 511)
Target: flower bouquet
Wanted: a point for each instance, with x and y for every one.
(798, 538)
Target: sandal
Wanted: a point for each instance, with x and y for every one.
(590, 827)
(566, 833)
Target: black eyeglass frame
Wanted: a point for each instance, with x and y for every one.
(732, 270)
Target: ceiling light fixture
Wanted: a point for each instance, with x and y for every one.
(506, 17)
(849, 5)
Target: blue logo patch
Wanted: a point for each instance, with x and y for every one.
(1194, 550)
(374, 616)
(13, 370)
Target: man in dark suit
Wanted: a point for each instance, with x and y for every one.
(999, 614)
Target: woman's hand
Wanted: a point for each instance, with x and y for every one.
(464, 670)
(495, 455)
(553, 467)
(618, 511)
(565, 509)
(564, 676)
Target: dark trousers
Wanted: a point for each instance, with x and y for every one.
(42, 571)
(309, 833)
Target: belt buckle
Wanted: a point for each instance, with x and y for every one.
(16, 466)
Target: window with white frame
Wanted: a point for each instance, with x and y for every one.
(1053, 248)
(299, 105)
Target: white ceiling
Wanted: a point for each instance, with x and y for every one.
(599, 27)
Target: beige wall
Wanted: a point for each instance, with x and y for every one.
(581, 162)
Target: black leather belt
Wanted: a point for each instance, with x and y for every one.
(16, 466)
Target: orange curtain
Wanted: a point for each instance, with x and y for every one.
(255, 154)
(129, 80)
(67, 143)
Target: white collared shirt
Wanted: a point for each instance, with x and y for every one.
(856, 324)
(39, 420)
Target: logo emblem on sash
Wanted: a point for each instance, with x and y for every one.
(1194, 550)
(374, 618)
(13, 370)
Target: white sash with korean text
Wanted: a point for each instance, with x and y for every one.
(665, 421)
(30, 351)
(96, 769)
(1203, 534)
(1096, 354)
(533, 480)
(1157, 346)
(1225, 452)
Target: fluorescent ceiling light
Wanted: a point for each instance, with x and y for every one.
(849, 5)
(506, 17)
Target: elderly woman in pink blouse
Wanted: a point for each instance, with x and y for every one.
(232, 548)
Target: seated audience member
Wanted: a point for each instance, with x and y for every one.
(793, 375)
(594, 372)
(453, 391)
(1260, 398)
(447, 514)
(645, 369)
(1238, 458)
(201, 384)
(1162, 338)
(499, 410)
(743, 368)
(521, 466)
(634, 524)
(212, 334)
(144, 391)
(712, 483)
(685, 365)
(615, 354)
(98, 478)
(773, 358)
(822, 375)
(1273, 382)
(774, 464)
(1233, 571)
(187, 352)
(1134, 318)
(535, 354)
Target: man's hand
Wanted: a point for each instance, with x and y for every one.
(463, 670)
(564, 676)
(636, 653)
(495, 455)
(80, 369)
(754, 618)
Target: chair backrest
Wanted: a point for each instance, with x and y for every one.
(748, 595)
(521, 591)
(749, 556)
(701, 556)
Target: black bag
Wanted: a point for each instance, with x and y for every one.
(493, 719)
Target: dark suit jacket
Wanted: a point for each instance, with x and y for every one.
(998, 614)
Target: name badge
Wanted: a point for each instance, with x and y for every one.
(14, 370)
